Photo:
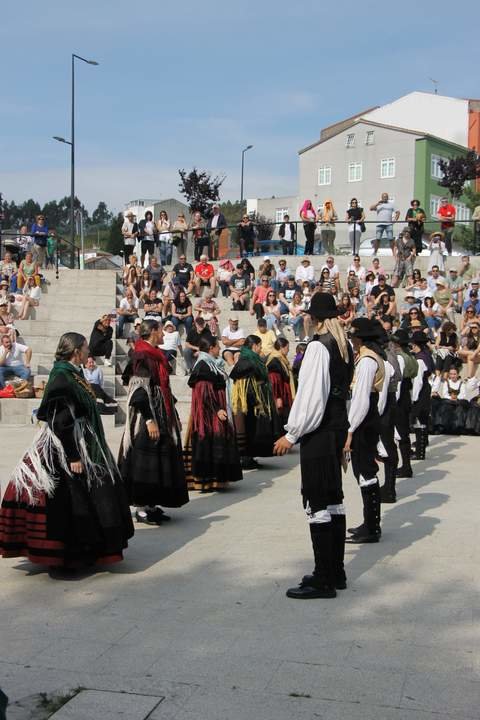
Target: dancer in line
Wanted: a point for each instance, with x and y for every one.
(150, 459)
(409, 368)
(211, 455)
(421, 392)
(318, 420)
(66, 505)
(364, 430)
(281, 378)
(257, 423)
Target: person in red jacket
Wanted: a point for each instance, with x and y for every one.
(446, 213)
(281, 378)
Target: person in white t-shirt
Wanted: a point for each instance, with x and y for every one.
(233, 338)
(30, 298)
(130, 233)
(305, 271)
(15, 360)
(171, 344)
(127, 310)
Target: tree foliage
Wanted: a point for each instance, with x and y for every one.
(233, 211)
(101, 215)
(57, 213)
(458, 170)
(115, 242)
(200, 189)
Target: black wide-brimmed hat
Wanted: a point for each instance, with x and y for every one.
(323, 306)
(366, 329)
(400, 336)
(419, 338)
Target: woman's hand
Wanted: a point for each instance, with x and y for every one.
(153, 430)
(279, 403)
(348, 443)
(222, 415)
(76, 467)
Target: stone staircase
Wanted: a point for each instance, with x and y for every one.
(78, 298)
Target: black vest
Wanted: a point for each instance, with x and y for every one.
(341, 375)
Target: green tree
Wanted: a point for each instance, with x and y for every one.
(200, 189)
(102, 215)
(115, 242)
(457, 170)
(233, 211)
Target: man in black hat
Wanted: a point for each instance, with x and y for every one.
(318, 419)
(364, 431)
(409, 369)
(421, 392)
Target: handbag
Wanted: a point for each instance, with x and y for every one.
(24, 390)
(7, 392)
(363, 227)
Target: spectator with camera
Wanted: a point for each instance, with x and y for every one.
(101, 339)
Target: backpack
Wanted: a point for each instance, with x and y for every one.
(411, 365)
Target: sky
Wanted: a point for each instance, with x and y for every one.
(192, 83)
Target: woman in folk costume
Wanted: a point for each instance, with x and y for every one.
(421, 392)
(318, 420)
(364, 420)
(256, 420)
(211, 455)
(281, 378)
(150, 459)
(66, 505)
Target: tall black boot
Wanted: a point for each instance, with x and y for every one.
(321, 584)
(406, 470)
(371, 503)
(420, 444)
(387, 492)
(339, 525)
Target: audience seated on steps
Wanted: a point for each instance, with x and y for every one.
(28, 299)
(233, 338)
(15, 360)
(127, 310)
(101, 339)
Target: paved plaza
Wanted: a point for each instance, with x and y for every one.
(195, 625)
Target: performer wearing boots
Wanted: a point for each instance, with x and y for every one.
(257, 424)
(211, 456)
(281, 378)
(387, 409)
(318, 420)
(421, 392)
(150, 458)
(364, 431)
(66, 506)
(409, 369)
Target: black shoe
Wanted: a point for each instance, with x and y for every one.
(364, 537)
(310, 592)
(362, 530)
(404, 472)
(250, 464)
(340, 582)
(157, 516)
(387, 496)
(145, 517)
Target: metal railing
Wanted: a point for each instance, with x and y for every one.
(66, 255)
(338, 238)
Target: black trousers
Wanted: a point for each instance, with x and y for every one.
(364, 443)
(288, 247)
(309, 229)
(387, 430)
(103, 348)
(403, 408)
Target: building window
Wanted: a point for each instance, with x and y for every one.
(279, 213)
(350, 141)
(435, 166)
(325, 175)
(370, 137)
(355, 172)
(387, 168)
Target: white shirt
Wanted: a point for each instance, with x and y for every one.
(418, 380)
(334, 271)
(127, 305)
(34, 293)
(288, 233)
(359, 271)
(308, 408)
(93, 376)
(171, 340)
(215, 221)
(304, 273)
(233, 334)
(364, 377)
(127, 229)
(14, 357)
(432, 283)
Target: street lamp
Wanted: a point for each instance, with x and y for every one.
(71, 142)
(249, 147)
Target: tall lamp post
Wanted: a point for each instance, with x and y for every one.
(249, 147)
(71, 142)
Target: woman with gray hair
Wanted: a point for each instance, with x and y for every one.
(65, 505)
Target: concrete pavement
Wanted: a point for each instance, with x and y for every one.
(195, 625)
